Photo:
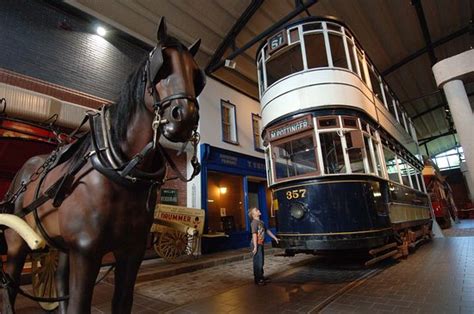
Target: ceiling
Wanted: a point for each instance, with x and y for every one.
(403, 39)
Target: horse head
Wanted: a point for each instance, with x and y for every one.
(174, 80)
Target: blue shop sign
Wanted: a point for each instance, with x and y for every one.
(226, 158)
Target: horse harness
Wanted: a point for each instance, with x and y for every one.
(106, 158)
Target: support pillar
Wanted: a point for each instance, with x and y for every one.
(449, 74)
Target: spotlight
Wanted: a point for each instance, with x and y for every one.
(230, 64)
(101, 31)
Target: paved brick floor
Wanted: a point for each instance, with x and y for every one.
(438, 278)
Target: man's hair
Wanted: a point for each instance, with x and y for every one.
(251, 210)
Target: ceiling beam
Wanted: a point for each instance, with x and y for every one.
(441, 105)
(424, 28)
(300, 8)
(424, 141)
(422, 51)
(229, 40)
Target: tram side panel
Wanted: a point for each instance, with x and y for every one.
(333, 215)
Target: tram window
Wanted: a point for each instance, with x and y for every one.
(412, 172)
(331, 150)
(360, 60)
(337, 51)
(404, 171)
(390, 101)
(369, 155)
(327, 123)
(315, 50)
(295, 157)
(390, 162)
(378, 164)
(312, 27)
(257, 140)
(355, 154)
(374, 79)
(284, 64)
(420, 178)
(364, 125)
(294, 35)
(261, 78)
(333, 27)
(349, 122)
(350, 47)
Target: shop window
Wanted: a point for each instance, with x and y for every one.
(391, 165)
(328, 123)
(338, 53)
(225, 203)
(315, 51)
(229, 124)
(257, 139)
(295, 157)
(354, 150)
(331, 149)
(284, 63)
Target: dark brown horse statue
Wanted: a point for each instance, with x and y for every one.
(106, 203)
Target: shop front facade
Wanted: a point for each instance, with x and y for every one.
(231, 184)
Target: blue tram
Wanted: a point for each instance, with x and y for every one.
(342, 155)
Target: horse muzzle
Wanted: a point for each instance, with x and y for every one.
(182, 118)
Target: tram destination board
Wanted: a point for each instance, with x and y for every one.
(292, 127)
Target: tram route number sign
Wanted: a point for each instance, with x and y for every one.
(292, 127)
(277, 41)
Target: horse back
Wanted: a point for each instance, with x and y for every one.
(24, 175)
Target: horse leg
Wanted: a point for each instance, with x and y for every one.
(83, 273)
(62, 280)
(126, 270)
(16, 255)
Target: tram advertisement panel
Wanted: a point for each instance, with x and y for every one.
(191, 217)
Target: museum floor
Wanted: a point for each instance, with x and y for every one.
(438, 278)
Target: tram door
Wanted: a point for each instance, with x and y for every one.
(259, 196)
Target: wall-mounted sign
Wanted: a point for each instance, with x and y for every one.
(277, 41)
(292, 127)
(169, 196)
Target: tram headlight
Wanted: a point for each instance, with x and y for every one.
(297, 210)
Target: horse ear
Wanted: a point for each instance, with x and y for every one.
(161, 34)
(193, 49)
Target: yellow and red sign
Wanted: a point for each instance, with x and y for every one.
(191, 217)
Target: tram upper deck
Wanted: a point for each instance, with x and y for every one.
(317, 63)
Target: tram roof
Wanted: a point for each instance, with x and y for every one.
(402, 38)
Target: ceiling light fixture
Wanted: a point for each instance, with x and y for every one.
(101, 31)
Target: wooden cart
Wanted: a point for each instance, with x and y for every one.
(177, 231)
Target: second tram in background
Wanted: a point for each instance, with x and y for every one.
(342, 155)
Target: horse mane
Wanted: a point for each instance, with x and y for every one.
(130, 99)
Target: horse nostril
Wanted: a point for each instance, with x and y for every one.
(176, 113)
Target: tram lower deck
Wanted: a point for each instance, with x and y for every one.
(346, 213)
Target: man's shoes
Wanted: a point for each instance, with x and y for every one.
(267, 279)
(260, 282)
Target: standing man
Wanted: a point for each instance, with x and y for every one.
(258, 230)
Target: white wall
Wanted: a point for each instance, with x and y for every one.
(210, 117)
(211, 129)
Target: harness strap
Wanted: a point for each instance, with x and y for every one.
(194, 163)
